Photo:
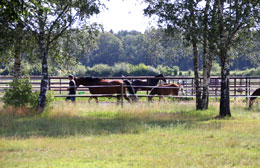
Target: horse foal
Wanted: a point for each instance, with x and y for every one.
(164, 90)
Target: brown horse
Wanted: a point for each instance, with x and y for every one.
(104, 86)
(164, 90)
(253, 97)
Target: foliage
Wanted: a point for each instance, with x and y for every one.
(142, 70)
(99, 70)
(49, 99)
(215, 71)
(136, 48)
(48, 21)
(20, 94)
(122, 69)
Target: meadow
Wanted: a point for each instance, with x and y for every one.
(170, 134)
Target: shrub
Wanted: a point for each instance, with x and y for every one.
(167, 71)
(162, 69)
(35, 96)
(175, 70)
(20, 99)
(143, 70)
(19, 94)
(80, 70)
(257, 72)
(216, 69)
(99, 70)
(121, 69)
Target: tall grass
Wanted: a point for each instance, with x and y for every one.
(137, 135)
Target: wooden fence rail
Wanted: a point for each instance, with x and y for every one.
(239, 85)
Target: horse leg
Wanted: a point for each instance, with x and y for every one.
(150, 98)
(125, 96)
(177, 98)
(89, 99)
(160, 98)
(96, 98)
(118, 97)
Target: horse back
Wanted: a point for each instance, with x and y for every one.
(167, 89)
(111, 82)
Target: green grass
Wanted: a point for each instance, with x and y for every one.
(137, 135)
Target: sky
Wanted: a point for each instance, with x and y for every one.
(124, 15)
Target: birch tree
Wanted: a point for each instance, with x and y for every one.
(48, 20)
(192, 19)
(233, 18)
(216, 25)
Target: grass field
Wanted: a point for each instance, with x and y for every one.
(139, 135)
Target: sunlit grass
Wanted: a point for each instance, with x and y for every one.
(137, 135)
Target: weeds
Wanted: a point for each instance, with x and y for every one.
(137, 135)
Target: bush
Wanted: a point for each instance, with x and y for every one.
(143, 70)
(80, 70)
(120, 69)
(99, 70)
(175, 70)
(35, 96)
(20, 96)
(216, 69)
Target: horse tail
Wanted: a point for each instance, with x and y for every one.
(255, 94)
(251, 100)
(130, 89)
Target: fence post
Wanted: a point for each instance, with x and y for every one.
(192, 87)
(122, 95)
(235, 88)
(60, 85)
(246, 92)
(49, 83)
(249, 92)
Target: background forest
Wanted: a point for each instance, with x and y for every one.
(131, 53)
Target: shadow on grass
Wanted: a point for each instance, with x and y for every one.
(70, 126)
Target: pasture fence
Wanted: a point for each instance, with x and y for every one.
(240, 86)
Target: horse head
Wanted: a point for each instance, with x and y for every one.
(161, 76)
(78, 81)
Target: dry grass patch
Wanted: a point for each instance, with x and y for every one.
(137, 135)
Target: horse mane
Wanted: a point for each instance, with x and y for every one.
(174, 84)
(91, 79)
(160, 75)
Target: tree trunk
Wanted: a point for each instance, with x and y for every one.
(207, 60)
(224, 58)
(18, 51)
(224, 100)
(207, 65)
(17, 60)
(197, 78)
(45, 77)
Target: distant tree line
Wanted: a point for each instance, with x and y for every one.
(154, 47)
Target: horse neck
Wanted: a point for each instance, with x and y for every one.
(152, 82)
(87, 82)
